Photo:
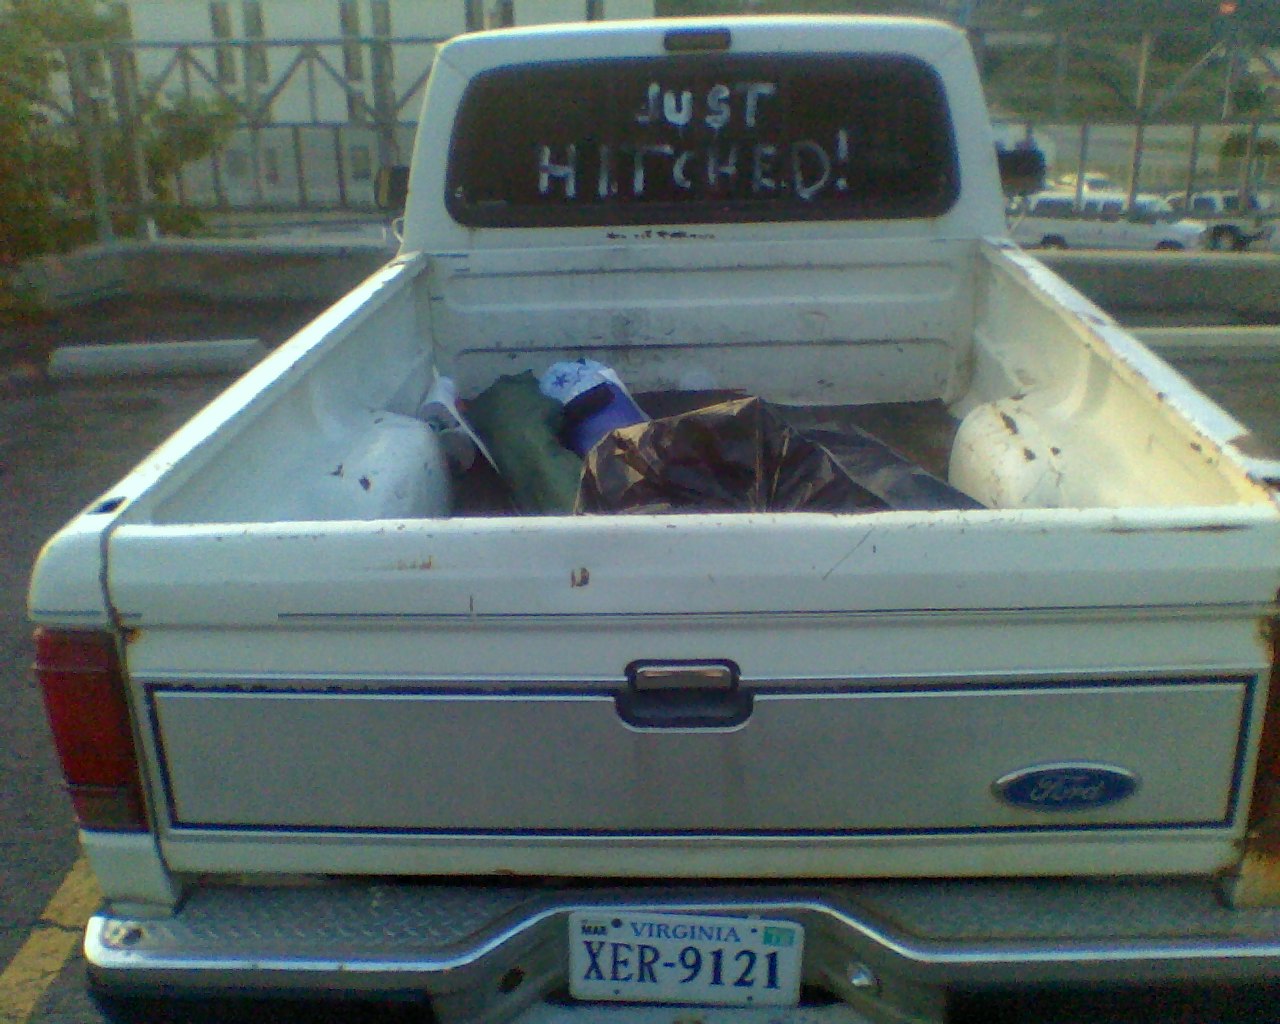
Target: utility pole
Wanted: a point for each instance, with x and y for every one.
(124, 79)
(1245, 185)
(964, 19)
(1140, 113)
(1061, 44)
(1231, 40)
(1082, 162)
(88, 117)
(384, 91)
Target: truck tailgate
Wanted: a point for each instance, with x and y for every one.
(956, 682)
(835, 756)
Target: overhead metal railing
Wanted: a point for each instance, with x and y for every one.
(277, 95)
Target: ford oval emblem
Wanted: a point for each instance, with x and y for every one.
(1066, 787)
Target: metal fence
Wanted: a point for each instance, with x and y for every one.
(1167, 159)
(307, 123)
(298, 124)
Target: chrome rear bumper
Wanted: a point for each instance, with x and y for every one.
(486, 952)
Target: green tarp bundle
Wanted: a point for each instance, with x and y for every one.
(521, 427)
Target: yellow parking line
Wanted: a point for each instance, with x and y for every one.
(51, 943)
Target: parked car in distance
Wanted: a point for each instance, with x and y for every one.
(1093, 181)
(1056, 219)
(1231, 223)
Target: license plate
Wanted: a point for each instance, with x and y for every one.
(625, 956)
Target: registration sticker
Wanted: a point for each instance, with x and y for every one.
(626, 956)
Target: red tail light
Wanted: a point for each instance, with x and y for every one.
(84, 696)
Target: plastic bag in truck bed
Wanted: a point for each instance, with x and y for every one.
(743, 456)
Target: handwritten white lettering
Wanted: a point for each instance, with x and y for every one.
(718, 112)
(679, 171)
(762, 169)
(679, 107)
(678, 112)
(566, 171)
(638, 174)
(605, 184)
(806, 168)
(756, 91)
(721, 167)
(803, 180)
(649, 112)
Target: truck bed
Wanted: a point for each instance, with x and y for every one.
(1031, 398)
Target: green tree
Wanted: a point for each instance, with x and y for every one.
(44, 172)
(27, 220)
(25, 64)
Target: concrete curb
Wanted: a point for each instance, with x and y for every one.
(154, 358)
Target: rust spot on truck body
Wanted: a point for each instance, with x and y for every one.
(579, 578)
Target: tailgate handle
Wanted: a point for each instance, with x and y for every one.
(647, 678)
(683, 695)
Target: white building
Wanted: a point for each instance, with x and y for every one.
(337, 83)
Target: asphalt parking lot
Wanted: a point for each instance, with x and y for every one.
(1247, 386)
(60, 446)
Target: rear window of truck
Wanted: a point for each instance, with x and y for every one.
(703, 139)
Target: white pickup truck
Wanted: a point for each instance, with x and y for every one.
(1230, 223)
(337, 716)
(1055, 219)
